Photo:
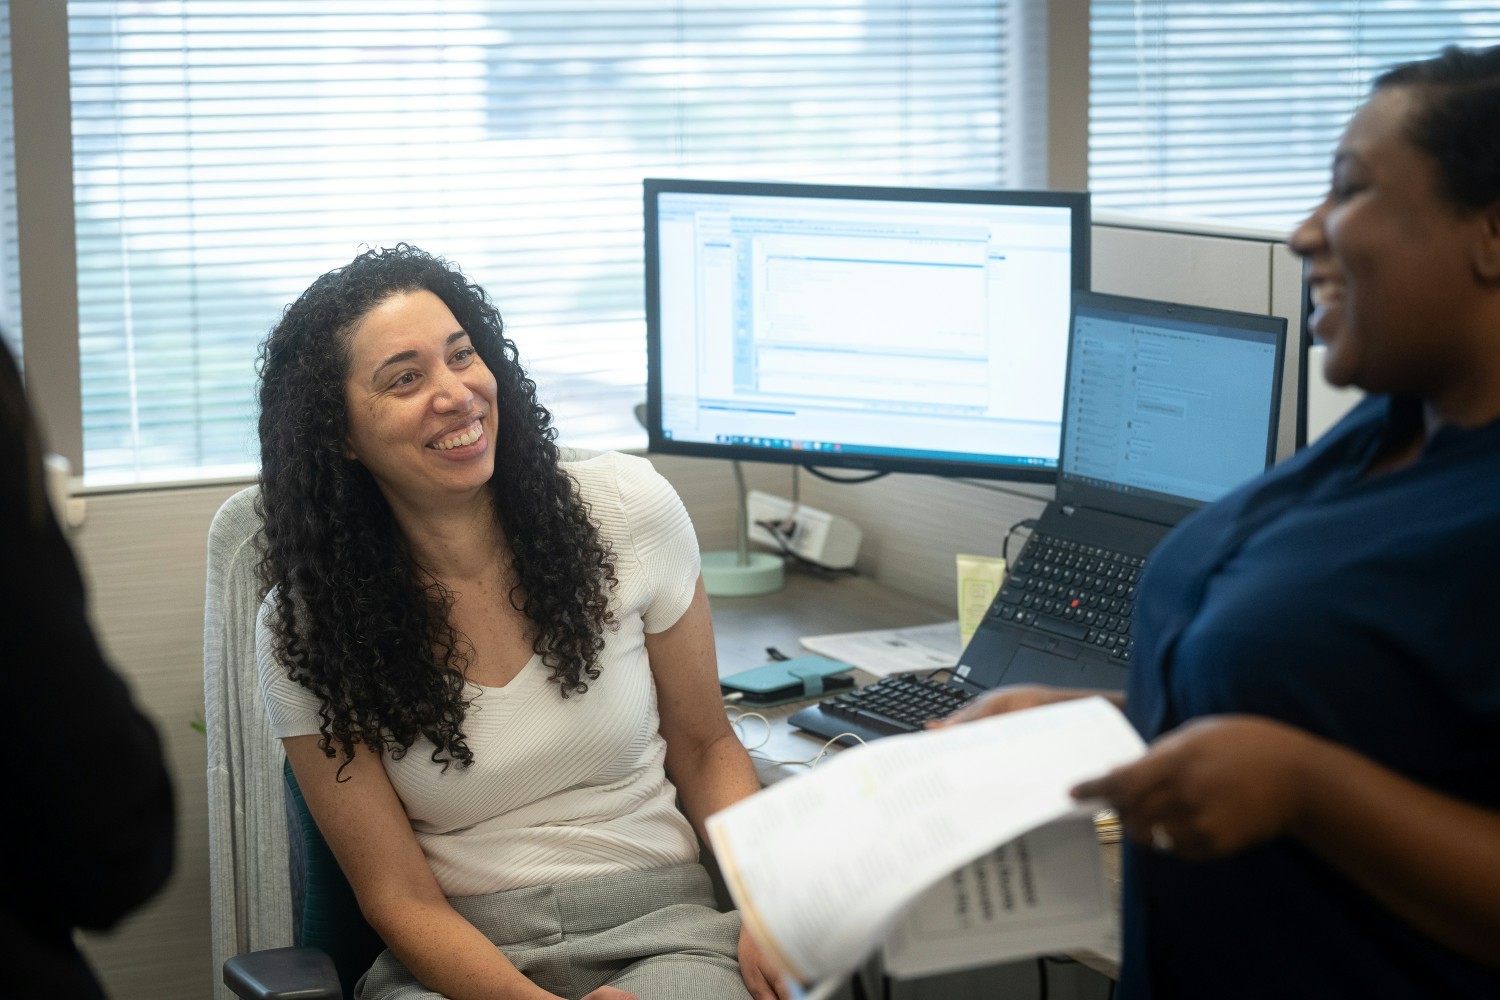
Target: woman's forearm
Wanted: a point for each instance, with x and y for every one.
(1431, 859)
(710, 777)
(367, 829)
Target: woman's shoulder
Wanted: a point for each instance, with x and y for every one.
(614, 472)
(585, 459)
(628, 498)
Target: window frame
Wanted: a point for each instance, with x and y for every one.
(44, 223)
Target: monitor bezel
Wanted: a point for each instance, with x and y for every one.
(1077, 202)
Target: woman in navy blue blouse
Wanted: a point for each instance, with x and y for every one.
(1317, 668)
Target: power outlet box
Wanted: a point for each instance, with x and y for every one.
(815, 535)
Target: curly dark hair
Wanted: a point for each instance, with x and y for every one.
(353, 618)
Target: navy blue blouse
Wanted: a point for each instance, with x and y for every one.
(1362, 610)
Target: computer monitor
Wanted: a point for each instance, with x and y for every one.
(878, 328)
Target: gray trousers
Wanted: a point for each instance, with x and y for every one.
(654, 933)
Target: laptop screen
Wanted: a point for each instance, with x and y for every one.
(1167, 403)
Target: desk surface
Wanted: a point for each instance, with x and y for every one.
(806, 605)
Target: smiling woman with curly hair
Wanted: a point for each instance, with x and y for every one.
(328, 524)
(440, 580)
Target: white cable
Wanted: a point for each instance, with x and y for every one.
(735, 720)
(811, 761)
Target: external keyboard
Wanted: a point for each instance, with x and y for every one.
(1080, 592)
(901, 703)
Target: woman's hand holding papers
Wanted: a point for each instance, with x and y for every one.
(1213, 787)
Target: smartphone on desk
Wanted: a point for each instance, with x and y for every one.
(798, 679)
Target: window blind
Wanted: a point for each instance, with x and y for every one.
(1223, 109)
(228, 151)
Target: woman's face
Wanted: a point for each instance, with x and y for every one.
(1389, 260)
(421, 403)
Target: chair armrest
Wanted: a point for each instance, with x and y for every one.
(283, 974)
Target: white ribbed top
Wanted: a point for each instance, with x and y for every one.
(560, 789)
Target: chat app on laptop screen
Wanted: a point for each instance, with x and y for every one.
(1165, 408)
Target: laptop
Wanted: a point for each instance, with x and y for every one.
(1166, 408)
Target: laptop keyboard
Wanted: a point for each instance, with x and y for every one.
(901, 703)
(1079, 592)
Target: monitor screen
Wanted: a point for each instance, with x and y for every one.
(1169, 406)
(888, 329)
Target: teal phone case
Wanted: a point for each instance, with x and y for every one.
(788, 680)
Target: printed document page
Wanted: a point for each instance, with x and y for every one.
(1044, 891)
(821, 865)
(883, 652)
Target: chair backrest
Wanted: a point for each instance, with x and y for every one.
(274, 881)
(249, 885)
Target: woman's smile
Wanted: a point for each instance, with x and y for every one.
(463, 440)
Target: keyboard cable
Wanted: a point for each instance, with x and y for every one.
(1028, 524)
(737, 720)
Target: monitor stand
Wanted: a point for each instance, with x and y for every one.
(742, 573)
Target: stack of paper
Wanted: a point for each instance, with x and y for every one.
(826, 865)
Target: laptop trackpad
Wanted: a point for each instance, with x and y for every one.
(1050, 644)
(1035, 666)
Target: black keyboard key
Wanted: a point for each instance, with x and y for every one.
(840, 706)
(880, 721)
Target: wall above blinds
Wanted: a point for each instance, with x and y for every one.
(1223, 109)
(228, 151)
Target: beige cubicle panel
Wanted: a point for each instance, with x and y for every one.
(1187, 267)
(1325, 403)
